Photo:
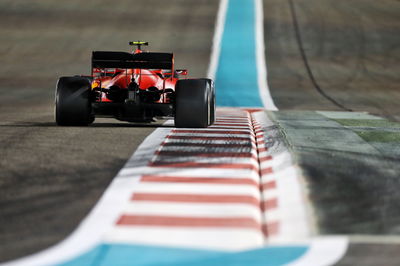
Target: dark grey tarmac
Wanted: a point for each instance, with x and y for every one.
(349, 49)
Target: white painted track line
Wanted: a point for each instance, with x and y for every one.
(205, 189)
(193, 209)
(323, 251)
(216, 238)
(216, 46)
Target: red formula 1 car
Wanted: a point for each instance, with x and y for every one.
(134, 87)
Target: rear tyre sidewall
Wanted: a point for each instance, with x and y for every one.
(192, 103)
(72, 103)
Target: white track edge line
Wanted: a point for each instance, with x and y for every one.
(216, 46)
(323, 251)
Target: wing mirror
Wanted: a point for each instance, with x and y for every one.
(183, 72)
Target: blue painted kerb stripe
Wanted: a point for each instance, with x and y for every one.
(127, 255)
(236, 75)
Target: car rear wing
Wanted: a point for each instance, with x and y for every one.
(125, 60)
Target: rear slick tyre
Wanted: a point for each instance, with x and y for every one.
(73, 106)
(193, 103)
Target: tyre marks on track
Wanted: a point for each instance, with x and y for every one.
(285, 207)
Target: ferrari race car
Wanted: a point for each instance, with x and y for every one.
(134, 87)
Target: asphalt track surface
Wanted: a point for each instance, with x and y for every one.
(351, 49)
(347, 51)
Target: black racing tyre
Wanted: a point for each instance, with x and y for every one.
(73, 105)
(193, 103)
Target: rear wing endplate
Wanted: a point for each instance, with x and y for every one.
(143, 60)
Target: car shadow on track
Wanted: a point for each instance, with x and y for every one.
(94, 125)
